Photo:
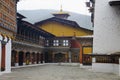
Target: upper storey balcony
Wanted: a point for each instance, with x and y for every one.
(30, 34)
(29, 40)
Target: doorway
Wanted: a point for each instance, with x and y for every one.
(48, 57)
(13, 57)
(21, 58)
(60, 57)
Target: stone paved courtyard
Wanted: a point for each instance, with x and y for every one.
(56, 72)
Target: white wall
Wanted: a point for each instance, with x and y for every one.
(105, 67)
(102, 67)
(106, 28)
(8, 57)
(116, 68)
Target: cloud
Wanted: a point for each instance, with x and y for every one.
(68, 5)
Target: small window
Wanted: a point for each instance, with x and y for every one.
(47, 42)
(65, 43)
(56, 43)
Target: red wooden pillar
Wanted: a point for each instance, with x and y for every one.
(38, 58)
(53, 57)
(35, 58)
(81, 54)
(3, 57)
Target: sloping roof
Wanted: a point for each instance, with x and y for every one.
(20, 16)
(45, 34)
(88, 36)
(63, 21)
(42, 14)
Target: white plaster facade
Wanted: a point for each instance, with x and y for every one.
(106, 34)
(7, 54)
(8, 57)
(104, 67)
(106, 28)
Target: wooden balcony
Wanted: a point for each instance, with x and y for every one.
(26, 39)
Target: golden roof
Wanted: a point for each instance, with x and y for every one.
(61, 11)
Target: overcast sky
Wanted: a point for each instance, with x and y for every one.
(77, 6)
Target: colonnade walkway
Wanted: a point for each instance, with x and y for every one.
(56, 72)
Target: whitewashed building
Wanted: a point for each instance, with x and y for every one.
(106, 41)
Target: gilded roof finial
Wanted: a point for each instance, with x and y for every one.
(61, 8)
(61, 14)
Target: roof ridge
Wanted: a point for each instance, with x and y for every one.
(67, 22)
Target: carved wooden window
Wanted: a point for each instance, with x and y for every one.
(65, 42)
(55, 42)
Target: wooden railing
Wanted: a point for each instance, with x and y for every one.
(26, 39)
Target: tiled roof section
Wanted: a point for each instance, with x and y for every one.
(20, 16)
(63, 21)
